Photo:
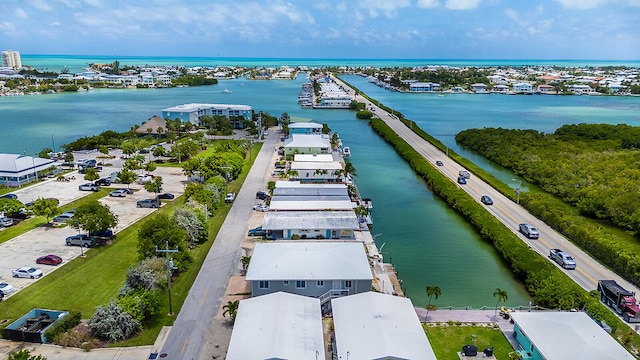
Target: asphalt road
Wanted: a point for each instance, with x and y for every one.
(588, 270)
(193, 325)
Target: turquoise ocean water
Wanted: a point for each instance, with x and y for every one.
(428, 243)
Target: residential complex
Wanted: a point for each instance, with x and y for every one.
(11, 59)
(192, 112)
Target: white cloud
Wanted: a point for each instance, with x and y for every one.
(41, 5)
(462, 4)
(581, 4)
(21, 14)
(428, 4)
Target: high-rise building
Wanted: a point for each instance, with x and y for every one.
(11, 58)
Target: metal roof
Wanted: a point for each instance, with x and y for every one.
(312, 191)
(568, 335)
(21, 165)
(309, 260)
(277, 326)
(307, 141)
(282, 220)
(313, 157)
(309, 203)
(315, 165)
(378, 326)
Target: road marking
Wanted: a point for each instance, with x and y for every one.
(218, 264)
(204, 297)
(186, 341)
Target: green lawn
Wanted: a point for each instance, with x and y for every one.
(85, 283)
(447, 340)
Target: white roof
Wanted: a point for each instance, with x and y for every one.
(20, 165)
(378, 326)
(309, 260)
(283, 184)
(308, 203)
(313, 157)
(282, 220)
(568, 335)
(313, 165)
(195, 107)
(277, 326)
(307, 141)
(305, 125)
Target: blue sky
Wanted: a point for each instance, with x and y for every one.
(412, 29)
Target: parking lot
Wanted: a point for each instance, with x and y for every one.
(23, 250)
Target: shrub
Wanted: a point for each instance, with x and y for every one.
(112, 323)
(149, 274)
(140, 304)
(63, 325)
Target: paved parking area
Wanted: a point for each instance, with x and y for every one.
(24, 249)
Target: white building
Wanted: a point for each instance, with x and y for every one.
(11, 58)
(192, 112)
(378, 326)
(277, 326)
(16, 169)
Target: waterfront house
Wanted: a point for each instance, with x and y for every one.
(192, 112)
(479, 88)
(580, 89)
(17, 170)
(546, 89)
(290, 225)
(547, 335)
(319, 269)
(421, 87)
(307, 144)
(277, 326)
(296, 196)
(315, 171)
(378, 326)
(503, 89)
(305, 128)
(523, 88)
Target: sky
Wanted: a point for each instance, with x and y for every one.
(340, 29)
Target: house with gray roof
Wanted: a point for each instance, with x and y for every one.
(372, 325)
(319, 269)
(305, 128)
(548, 335)
(311, 224)
(307, 144)
(277, 326)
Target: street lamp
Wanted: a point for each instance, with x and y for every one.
(33, 161)
(518, 190)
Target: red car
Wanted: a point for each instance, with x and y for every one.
(49, 260)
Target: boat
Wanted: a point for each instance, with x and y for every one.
(346, 152)
(226, 91)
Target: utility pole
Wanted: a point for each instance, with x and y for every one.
(170, 268)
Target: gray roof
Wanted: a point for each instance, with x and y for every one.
(568, 335)
(378, 326)
(291, 188)
(315, 165)
(307, 141)
(282, 220)
(277, 326)
(311, 203)
(313, 157)
(309, 260)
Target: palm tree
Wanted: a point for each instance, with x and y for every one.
(502, 296)
(349, 169)
(432, 291)
(232, 309)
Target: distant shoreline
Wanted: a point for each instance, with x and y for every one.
(79, 62)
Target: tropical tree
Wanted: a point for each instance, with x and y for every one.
(245, 262)
(46, 207)
(10, 206)
(68, 157)
(432, 291)
(159, 151)
(349, 169)
(25, 354)
(231, 308)
(154, 186)
(91, 174)
(126, 176)
(156, 232)
(91, 216)
(44, 153)
(502, 296)
(150, 166)
(193, 222)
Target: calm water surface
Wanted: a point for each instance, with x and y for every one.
(428, 243)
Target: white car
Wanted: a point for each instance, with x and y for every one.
(261, 207)
(118, 193)
(27, 272)
(6, 288)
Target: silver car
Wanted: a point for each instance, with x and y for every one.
(118, 193)
(27, 272)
